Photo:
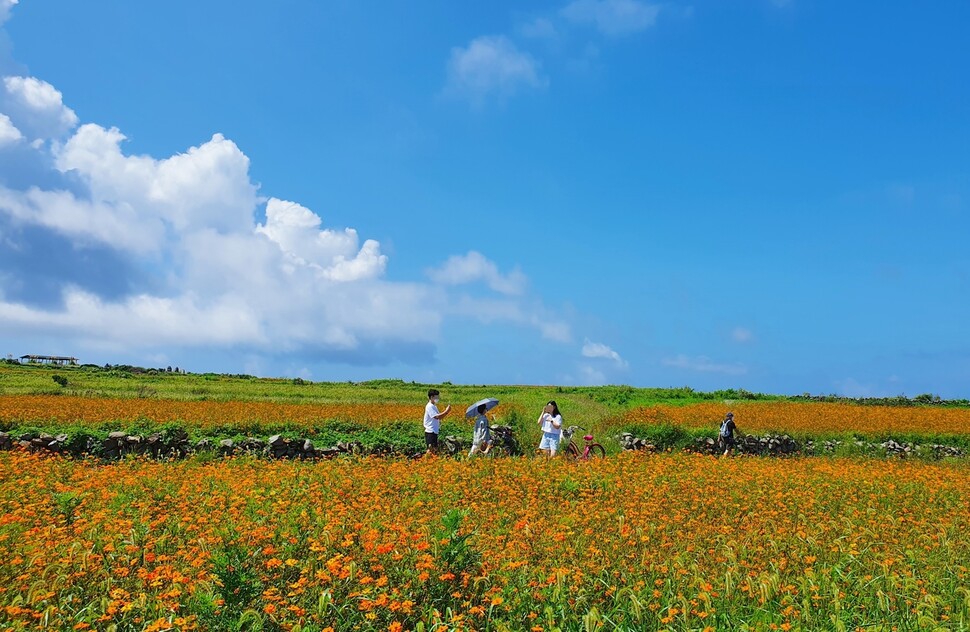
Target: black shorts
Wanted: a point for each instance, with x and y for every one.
(431, 439)
(727, 442)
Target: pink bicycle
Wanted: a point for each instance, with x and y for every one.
(590, 450)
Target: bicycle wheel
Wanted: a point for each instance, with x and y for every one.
(572, 451)
(596, 451)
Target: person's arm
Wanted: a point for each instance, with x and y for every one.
(557, 422)
(443, 413)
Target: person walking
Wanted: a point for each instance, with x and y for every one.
(726, 434)
(432, 419)
(482, 434)
(551, 423)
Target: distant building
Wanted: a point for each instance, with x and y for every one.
(44, 359)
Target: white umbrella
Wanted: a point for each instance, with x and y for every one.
(489, 402)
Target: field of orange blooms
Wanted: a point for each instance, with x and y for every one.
(809, 418)
(792, 417)
(68, 410)
(636, 542)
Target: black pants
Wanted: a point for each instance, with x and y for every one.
(431, 440)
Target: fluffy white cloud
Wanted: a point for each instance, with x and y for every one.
(475, 267)
(219, 277)
(163, 321)
(36, 108)
(9, 134)
(212, 276)
(703, 364)
(207, 186)
(115, 224)
(613, 17)
(137, 203)
(491, 65)
(334, 255)
(600, 350)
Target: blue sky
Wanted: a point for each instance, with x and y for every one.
(769, 195)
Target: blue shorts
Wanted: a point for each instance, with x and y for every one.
(550, 441)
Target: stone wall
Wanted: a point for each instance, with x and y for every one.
(784, 445)
(178, 445)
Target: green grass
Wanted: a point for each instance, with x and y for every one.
(596, 408)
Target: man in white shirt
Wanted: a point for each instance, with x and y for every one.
(432, 420)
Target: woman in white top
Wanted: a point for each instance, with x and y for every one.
(551, 422)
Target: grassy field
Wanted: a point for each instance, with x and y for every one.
(94, 401)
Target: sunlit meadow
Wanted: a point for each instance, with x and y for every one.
(634, 542)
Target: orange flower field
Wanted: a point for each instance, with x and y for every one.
(635, 542)
(809, 418)
(198, 414)
(804, 418)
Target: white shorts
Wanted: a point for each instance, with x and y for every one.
(550, 441)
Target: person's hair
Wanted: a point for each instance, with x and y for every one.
(481, 409)
(555, 407)
(433, 393)
(731, 415)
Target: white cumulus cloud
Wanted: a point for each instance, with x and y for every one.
(36, 108)
(491, 65)
(613, 17)
(221, 279)
(335, 255)
(600, 350)
(475, 267)
(9, 134)
(118, 225)
(208, 185)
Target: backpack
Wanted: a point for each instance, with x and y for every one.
(727, 428)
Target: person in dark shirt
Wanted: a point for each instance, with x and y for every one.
(726, 434)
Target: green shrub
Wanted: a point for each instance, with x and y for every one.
(664, 436)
